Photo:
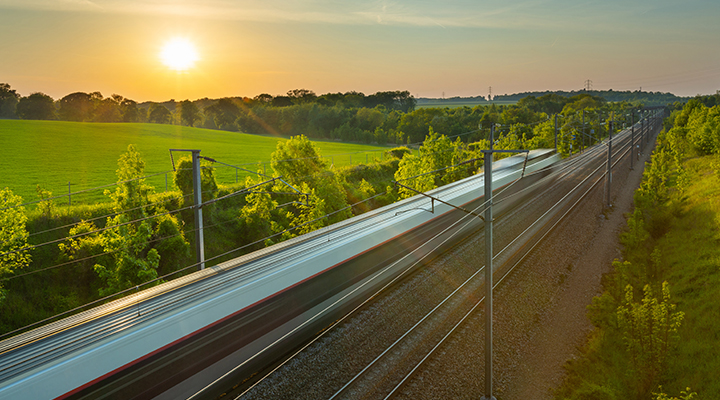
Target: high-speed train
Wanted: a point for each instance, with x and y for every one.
(202, 333)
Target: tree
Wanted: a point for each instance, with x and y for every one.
(189, 113)
(256, 216)
(159, 114)
(397, 100)
(649, 331)
(76, 106)
(297, 159)
(369, 119)
(263, 98)
(129, 111)
(8, 101)
(139, 239)
(543, 136)
(282, 101)
(302, 95)
(13, 235)
(36, 106)
(224, 113)
(108, 109)
(184, 181)
(299, 162)
(409, 168)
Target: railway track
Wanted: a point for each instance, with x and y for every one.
(392, 365)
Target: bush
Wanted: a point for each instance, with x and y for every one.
(398, 152)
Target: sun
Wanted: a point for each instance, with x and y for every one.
(179, 54)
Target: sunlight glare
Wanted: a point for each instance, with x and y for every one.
(179, 54)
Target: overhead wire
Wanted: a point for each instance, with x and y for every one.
(115, 226)
(337, 322)
(160, 278)
(111, 214)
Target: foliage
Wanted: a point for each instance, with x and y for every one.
(189, 113)
(13, 235)
(224, 113)
(92, 107)
(76, 106)
(543, 136)
(309, 216)
(8, 101)
(429, 169)
(684, 395)
(36, 106)
(297, 159)
(129, 235)
(81, 249)
(159, 114)
(46, 204)
(411, 173)
(649, 332)
(634, 97)
(398, 152)
(184, 180)
(672, 236)
(256, 216)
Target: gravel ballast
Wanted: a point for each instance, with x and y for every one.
(539, 314)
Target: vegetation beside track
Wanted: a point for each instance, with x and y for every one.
(656, 325)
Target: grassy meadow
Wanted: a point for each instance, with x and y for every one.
(53, 153)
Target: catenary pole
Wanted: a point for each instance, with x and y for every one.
(582, 138)
(556, 131)
(632, 139)
(197, 194)
(487, 167)
(609, 161)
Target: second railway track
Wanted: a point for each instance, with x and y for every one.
(436, 301)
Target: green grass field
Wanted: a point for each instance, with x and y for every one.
(53, 153)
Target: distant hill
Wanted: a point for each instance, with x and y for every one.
(635, 97)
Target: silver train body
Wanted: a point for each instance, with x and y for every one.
(178, 338)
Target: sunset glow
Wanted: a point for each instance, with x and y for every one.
(148, 50)
(179, 54)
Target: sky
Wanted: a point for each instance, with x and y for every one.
(430, 48)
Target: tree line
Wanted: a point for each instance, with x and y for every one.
(635, 97)
(382, 117)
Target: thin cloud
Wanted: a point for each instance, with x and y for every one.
(52, 5)
(528, 15)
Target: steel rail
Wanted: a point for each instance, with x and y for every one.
(347, 315)
(348, 386)
(382, 355)
(410, 374)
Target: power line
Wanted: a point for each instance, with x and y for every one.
(117, 226)
(111, 214)
(160, 278)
